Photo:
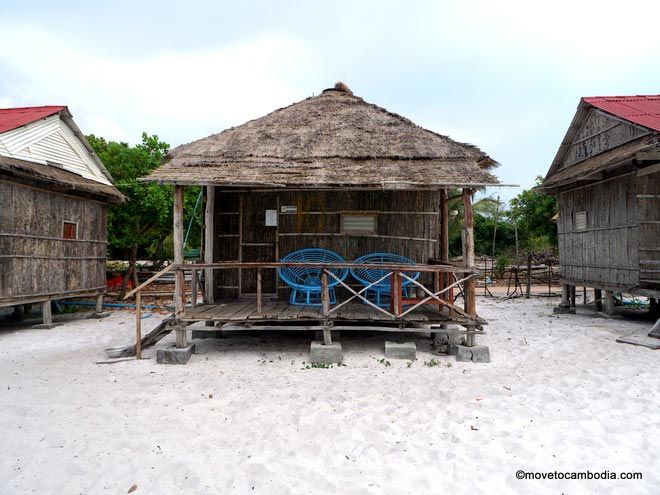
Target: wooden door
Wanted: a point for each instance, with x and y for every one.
(258, 241)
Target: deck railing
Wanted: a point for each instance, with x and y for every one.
(397, 273)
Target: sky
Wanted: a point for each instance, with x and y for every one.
(506, 76)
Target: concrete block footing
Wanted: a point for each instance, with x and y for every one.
(476, 354)
(447, 336)
(174, 355)
(325, 354)
(405, 350)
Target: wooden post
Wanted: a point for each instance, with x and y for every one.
(193, 295)
(469, 289)
(396, 294)
(565, 296)
(179, 280)
(46, 313)
(608, 303)
(209, 238)
(138, 325)
(598, 297)
(259, 291)
(528, 278)
(99, 303)
(572, 294)
(444, 242)
(325, 300)
(325, 293)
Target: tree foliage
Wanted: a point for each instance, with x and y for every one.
(531, 212)
(534, 212)
(142, 225)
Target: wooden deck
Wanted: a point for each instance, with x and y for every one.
(281, 311)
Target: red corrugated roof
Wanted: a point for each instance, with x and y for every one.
(11, 118)
(642, 109)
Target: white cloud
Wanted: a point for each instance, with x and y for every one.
(176, 94)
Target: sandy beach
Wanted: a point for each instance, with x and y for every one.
(247, 414)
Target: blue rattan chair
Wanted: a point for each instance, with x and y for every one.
(379, 293)
(305, 283)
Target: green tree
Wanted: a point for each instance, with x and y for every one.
(534, 213)
(142, 225)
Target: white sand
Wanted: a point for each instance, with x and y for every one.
(560, 394)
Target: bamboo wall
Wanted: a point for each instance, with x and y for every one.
(407, 224)
(606, 254)
(648, 207)
(35, 261)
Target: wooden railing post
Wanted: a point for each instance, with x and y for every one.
(396, 292)
(325, 292)
(194, 282)
(209, 237)
(259, 306)
(138, 325)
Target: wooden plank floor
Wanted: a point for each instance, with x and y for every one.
(235, 311)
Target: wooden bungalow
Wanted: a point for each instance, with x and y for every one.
(335, 172)
(54, 197)
(606, 176)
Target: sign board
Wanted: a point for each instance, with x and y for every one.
(581, 220)
(271, 218)
(289, 209)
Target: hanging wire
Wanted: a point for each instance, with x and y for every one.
(192, 217)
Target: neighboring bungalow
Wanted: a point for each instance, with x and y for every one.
(606, 176)
(331, 172)
(54, 196)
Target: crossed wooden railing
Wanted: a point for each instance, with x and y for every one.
(396, 272)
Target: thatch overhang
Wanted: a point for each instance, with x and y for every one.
(57, 179)
(333, 140)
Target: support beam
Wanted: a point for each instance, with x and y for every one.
(469, 291)
(179, 281)
(99, 303)
(209, 245)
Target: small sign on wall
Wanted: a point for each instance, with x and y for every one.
(271, 218)
(581, 220)
(289, 209)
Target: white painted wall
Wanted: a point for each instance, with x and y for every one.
(53, 140)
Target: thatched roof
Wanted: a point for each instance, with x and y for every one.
(335, 139)
(57, 179)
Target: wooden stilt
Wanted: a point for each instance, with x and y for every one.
(46, 313)
(608, 303)
(469, 289)
(99, 303)
(598, 297)
(179, 281)
(565, 297)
